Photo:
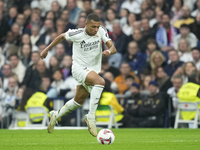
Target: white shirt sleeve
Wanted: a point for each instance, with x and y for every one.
(104, 34)
(67, 37)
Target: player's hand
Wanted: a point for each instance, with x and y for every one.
(43, 54)
(106, 53)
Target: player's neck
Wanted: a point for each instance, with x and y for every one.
(87, 32)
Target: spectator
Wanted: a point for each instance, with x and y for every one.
(56, 8)
(150, 15)
(111, 19)
(123, 14)
(163, 80)
(34, 20)
(81, 22)
(196, 57)
(74, 11)
(165, 34)
(163, 6)
(54, 64)
(150, 112)
(186, 34)
(7, 73)
(109, 76)
(65, 16)
(146, 30)
(58, 80)
(66, 63)
(158, 24)
(15, 30)
(107, 68)
(25, 39)
(156, 60)
(118, 37)
(12, 86)
(195, 12)
(49, 28)
(145, 85)
(174, 64)
(60, 26)
(50, 15)
(27, 81)
(144, 7)
(26, 54)
(99, 13)
(177, 82)
(21, 21)
(186, 19)
(2, 60)
(12, 14)
(87, 5)
(132, 101)
(47, 88)
(9, 40)
(184, 51)
(176, 10)
(17, 67)
(3, 27)
(151, 47)
(127, 28)
(134, 57)
(195, 26)
(34, 36)
(186, 70)
(125, 70)
(68, 88)
(27, 13)
(60, 52)
(138, 37)
(129, 81)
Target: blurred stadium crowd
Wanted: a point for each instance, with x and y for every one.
(158, 51)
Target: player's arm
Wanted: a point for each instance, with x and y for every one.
(111, 49)
(57, 40)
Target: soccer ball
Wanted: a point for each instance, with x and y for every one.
(105, 137)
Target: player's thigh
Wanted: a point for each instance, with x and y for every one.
(81, 94)
(93, 78)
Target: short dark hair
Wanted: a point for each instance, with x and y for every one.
(178, 76)
(185, 26)
(195, 48)
(93, 17)
(129, 77)
(15, 55)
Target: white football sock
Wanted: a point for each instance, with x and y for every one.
(94, 100)
(70, 106)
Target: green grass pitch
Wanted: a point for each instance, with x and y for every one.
(125, 139)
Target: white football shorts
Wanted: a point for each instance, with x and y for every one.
(79, 74)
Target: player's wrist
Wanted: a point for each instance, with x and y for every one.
(109, 51)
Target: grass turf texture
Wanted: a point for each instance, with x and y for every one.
(125, 139)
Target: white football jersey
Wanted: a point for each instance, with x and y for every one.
(87, 50)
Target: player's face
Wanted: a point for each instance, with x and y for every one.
(92, 27)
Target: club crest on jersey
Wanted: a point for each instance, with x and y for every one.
(96, 35)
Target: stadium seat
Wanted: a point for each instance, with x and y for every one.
(19, 119)
(187, 106)
(111, 117)
(43, 116)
